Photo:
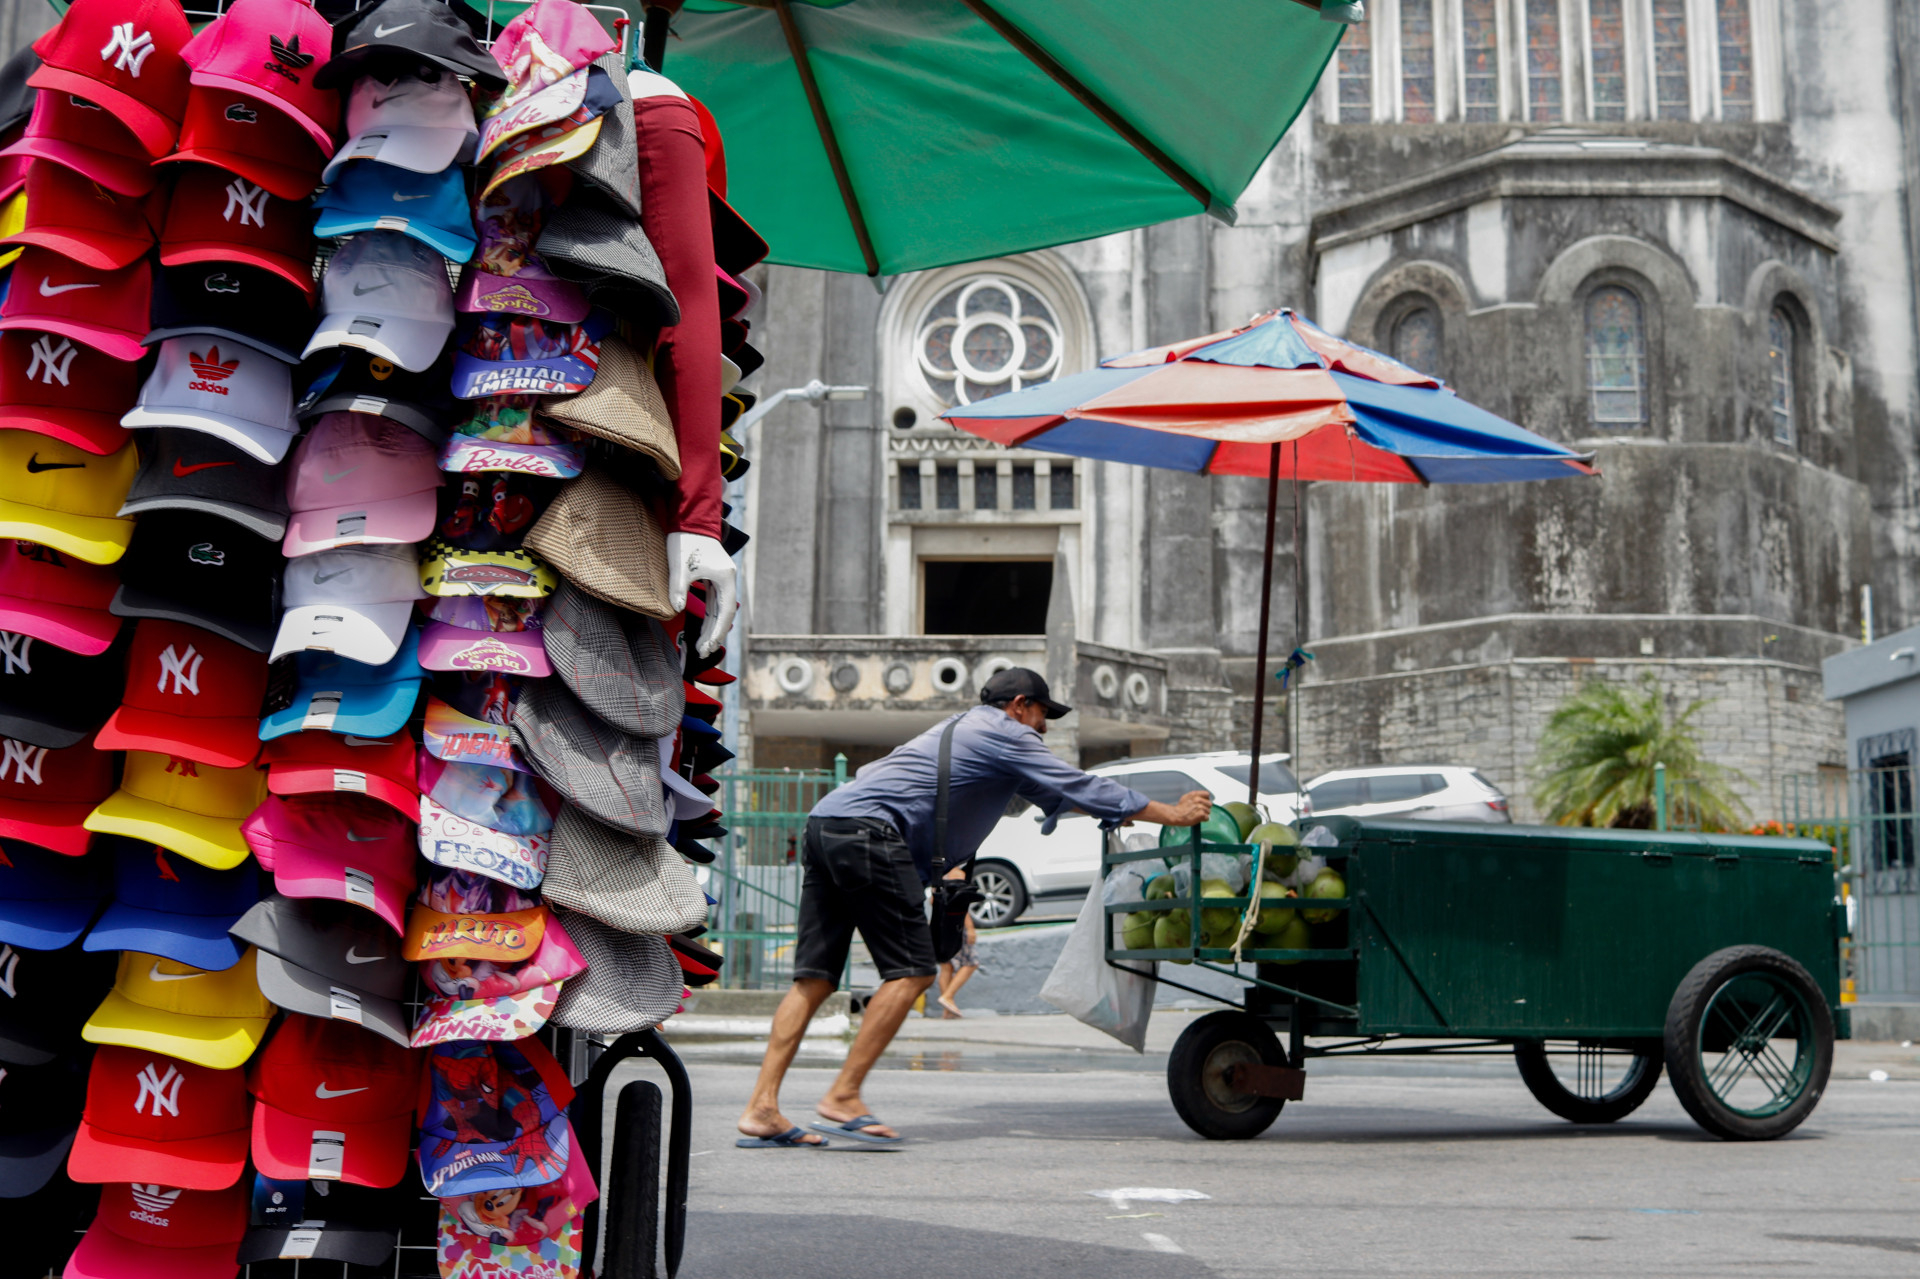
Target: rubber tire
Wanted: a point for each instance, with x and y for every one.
(1019, 898)
(1187, 1087)
(632, 1194)
(1536, 1071)
(1683, 1037)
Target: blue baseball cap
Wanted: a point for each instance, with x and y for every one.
(47, 899)
(430, 207)
(171, 906)
(336, 694)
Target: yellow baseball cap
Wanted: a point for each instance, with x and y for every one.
(185, 807)
(65, 497)
(13, 220)
(212, 1019)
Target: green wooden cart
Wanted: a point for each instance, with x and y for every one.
(1597, 957)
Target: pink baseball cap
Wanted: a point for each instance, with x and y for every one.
(357, 480)
(60, 600)
(445, 647)
(482, 999)
(271, 49)
(109, 154)
(162, 1232)
(337, 848)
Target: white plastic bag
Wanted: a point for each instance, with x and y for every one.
(1084, 985)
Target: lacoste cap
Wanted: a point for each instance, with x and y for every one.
(329, 959)
(421, 121)
(172, 906)
(234, 302)
(158, 1119)
(184, 470)
(57, 387)
(212, 1019)
(186, 807)
(448, 840)
(614, 776)
(65, 497)
(105, 310)
(237, 395)
(68, 129)
(372, 196)
(500, 799)
(604, 538)
(381, 768)
(387, 294)
(591, 240)
(47, 899)
(354, 601)
(216, 216)
(124, 55)
(78, 218)
(335, 1105)
(424, 28)
(360, 382)
(205, 570)
(47, 996)
(56, 599)
(40, 1109)
(635, 883)
(623, 667)
(521, 1119)
(155, 1231)
(244, 135)
(45, 794)
(502, 434)
(356, 480)
(275, 49)
(505, 355)
(459, 914)
(550, 1227)
(448, 570)
(338, 848)
(478, 999)
(52, 697)
(507, 275)
(189, 693)
(338, 694)
(632, 981)
(624, 405)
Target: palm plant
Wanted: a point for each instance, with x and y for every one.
(1598, 755)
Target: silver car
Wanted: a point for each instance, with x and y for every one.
(1426, 792)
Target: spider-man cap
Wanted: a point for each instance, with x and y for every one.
(107, 310)
(53, 385)
(189, 693)
(336, 1104)
(57, 598)
(151, 1231)
(159, 1119)
(124, 55)
(493, 1116)
(84, 136)
(273, 48)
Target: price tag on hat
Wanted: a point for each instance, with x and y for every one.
(327, 1156)
(302, 1242)
(344, 1005)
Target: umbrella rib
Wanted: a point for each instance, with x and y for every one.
(804, 65)
(1087, 98)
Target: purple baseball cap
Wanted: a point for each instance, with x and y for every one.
(506, 274)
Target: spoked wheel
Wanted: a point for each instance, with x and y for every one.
(1198, 1070)
(1749, 1043)
(1002, 896)
(1588, 1081)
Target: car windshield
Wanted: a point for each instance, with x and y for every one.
(1275, 778)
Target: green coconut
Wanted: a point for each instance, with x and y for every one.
(1136, 932)
(1172, 931)
(1218, 921)
(1279, 837)
(1327, 883)
(1245, 814)
(1274, 918)
(1293, 935)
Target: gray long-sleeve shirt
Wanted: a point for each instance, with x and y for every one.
(995, 757)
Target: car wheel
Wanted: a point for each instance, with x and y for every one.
(1003, 897)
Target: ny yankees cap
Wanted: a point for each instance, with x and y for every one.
(172, 906)
(231, 301)
(56, 599)
(46, 997)
(189, 693)
(273, 48)
(105, 310)
(212, 1019)
(124, 55)
(354, 601)
(624, 406)
(387, 294)
(513, 1098)
(86, 137)
(423, 29)
(505, 355)
(65, 497)
(329, 959)
(335, 1105)
(246, 136)
(53, 385)
(459, 914)
(45, 794)
(205, 570)
(40, 1108)
(184, 470)
(152, 1118)
(235, 394)
(501, 799)
(381, 768)
(450, 840)
(78, 218)
(361, 382)
(373, 196)
(55, 698)
(337, 694)
(340, 848)
(186, 807)
(356, 480)
(421, 120)
(216, 216)
(154, 1231)
(479, 999)
(47, 900)
(549, 1234)
(507, 275)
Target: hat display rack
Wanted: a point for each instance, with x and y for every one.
(360, 368)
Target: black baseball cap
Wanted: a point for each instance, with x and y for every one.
(1018, 681)
(241, 303)
(420, 29)
(361, 382)
(40, 1109)
(183, 470)
(328, 1221)
(16, 95)
(55, 698)
(47, 997)
(188, 566)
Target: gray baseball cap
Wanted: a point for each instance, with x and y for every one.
(595, 243)
(185, 470)
(632, 981)
(329, 959)
(636, 883)
(620, 664)
(614, 776)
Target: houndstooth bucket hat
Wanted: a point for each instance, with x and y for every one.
(614, 776)
(632, 981)
(593, 242)
(612, 163)
(624, 405)
(637, 884)
(604, 539)
(619, 664)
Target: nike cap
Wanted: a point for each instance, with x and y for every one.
(336, 693)
(153, 1118)
(356, 480)
(216, 216)
(56, 599)
(47, 899)
(329, 959)
(354, 601)
(65, 497)
(54, 698)
(507, 275)
(373, 196)
(172, 906)
(189, 693)
(124, 55)
(212, 1019)
(332, 1221)
(78, 218)
(360, 382)
(505, 355)
(421, 120)
(387, 294)
(232, 302)
(338, 848)
(187, 807)
(381, 768)
(235, 394)
(244, 135)
(45, 794)
(106, 310)
(275, 49)
(154, 1231)
(71, 130)
(58, 387)
(420, 29)
(203, 569)
(186, 470)
(335, 1105)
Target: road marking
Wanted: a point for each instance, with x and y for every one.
(1160, 1243)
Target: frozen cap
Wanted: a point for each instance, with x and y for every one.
(158, 1119)
(242, 134)
(57, 599)
(213, 1019)
(205, 570)
(623, 667)
(614, 776)
(235, 394)
(506, 355)
(387, 294)
(360, 382)
(483, 1000)
(106, 310)
(358, 479)
(329, 959)
(335, 1105)
(635, 883)
(632, 982)
(495, 1118)
(78, 218)
(459, 914)
(624, 405)
(449, 570)
(381, 768)
(354, 601)
(235, 303)
(216, 216)
(189, 693)
(500, 799)
(507, 275)
(603, 538)
(449, 840)
(338, 849)
(87, 138)
(47, 899)
(421, 28)
(173, 907)
(157, 1231)
(430, 207)
(45, 794)
(184, 470)
(189, 808)
(65, 497)
(423, 123)
(52, 697)
(274, 49)
(53, 385)
(124, 55)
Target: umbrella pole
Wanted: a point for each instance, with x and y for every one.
(1266, 604)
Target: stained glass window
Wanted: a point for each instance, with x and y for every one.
(986, 487)
(1355, 75)
(1416, 61)
(1671, 98)
(1616, 359)
(1416, 340)
(1606, 33)
(1061, 496)
(1736, 59)
(946, 488)
(909, 487)
(984, 337)
(1480, 43)
(1544, 92)
(1023, 491)
(1780, 370)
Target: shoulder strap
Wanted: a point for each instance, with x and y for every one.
(940, 800)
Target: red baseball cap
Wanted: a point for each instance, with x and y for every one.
(217, 216)
(155, 1231)
(46, 794)
(336, 1103)
(55, 386)
(68, 129)
(156, 1118)
(382, 768)
(244, 135)
(76, 217)
(189, 693)
(106, 310)
(125, 55)
(337, 848)
(271, 49)
(56, 598)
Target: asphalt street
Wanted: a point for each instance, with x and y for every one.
(1423, 1168)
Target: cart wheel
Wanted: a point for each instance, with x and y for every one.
(1596, 1083)
(1197, 1076)
(1749, 1043)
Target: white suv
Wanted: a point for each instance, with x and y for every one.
(1017, 864)
(1426, 792)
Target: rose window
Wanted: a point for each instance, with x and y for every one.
(985, 337)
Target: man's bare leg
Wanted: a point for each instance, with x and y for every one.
(762, 1117)
(885, 1012)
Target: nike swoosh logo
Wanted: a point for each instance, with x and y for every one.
(366, 741)
(50, 290)
(361, 839)
(35, 465)
(157, 975)
(361, 290)
(338, 475)
(355, 958)
(323, 1092)
(319, 578)
(381, 33)
(402, 199)
(181, 470)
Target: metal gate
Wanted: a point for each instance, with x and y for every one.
(755, 880)
(1868, 816)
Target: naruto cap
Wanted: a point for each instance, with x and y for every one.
(106, 310)
(381, 768)
(71, 130)
(354, 601)
(421, 121)
(65, 497)
(430, 207)
(184, 806)
(54, 698)
(56, 599)
(506, 355)
(358, 479)
(361, 382)
(335, 693)
(635, 883)
(460, 914)
(483, 1000)
(340, 848)
(623, 667)
(603, 538)
(173, 907)
(614, 776)
(519, 1118)
(157, 1231)
(329, 959)
(76, 217)
(53, 385)
(159, 1119)
(189, 693)
(237, 395)
(632, 981)
(387, 294)
(205, 570)
(275, 49)
(624, 405)
(47, 899)
(420, 28)
(212, 1019)
(216, 216)
(244, 135)
(335, 1105)
(507, 275)
(124, 55)
(234, 302)
(45, 794)
(184, 470)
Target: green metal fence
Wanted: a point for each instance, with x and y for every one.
(755, 880)
(1869, 817)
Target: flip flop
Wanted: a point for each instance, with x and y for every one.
(851, 1128)
(788, 1140)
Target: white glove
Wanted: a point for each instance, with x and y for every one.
(694, 557)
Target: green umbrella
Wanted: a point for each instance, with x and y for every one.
(885, 136)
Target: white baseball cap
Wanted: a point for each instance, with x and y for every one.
(418, 124)
(354, 601)
(386, 293)
(234, 392)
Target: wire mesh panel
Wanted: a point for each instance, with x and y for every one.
(1869, 817)
(756, 879)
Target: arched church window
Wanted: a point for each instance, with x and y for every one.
(1735, 21)
(1616, 359)
(1416, 340)
(985, 336)
(1780, 337)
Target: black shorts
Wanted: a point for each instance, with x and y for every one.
(856, 873)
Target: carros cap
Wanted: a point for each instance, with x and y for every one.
(212, 1019)
(424, 28)
(57, 599)
(106, 310)
(604, 539)
(359, 382)
(623, 667)
(613, 775)
(387, 294)
(244, 135)
(358, 479)
(505, 355)
(632, 981)
(54, 698)
(216, 216)
(500, 799)
(430, 207)
(124, 55)
(422, 122)
(1018, 681)
(46, 794)
(189, 693)
(155, 1118)
(462, 915)
(324, 763)
(448, 570)
(273, 48)
(232, 302)
(480, 999)
(340, 849)
(46, 900)
(545, 1237)
(236, 394)
(68, 129)
(335, 1104)
(65, 497)
(635, 883)
(507, 275)
(53, 385)
(624, 405)
(204, 570)
(495, 1118)
(447, 840)
(182, 470)
(354, 601)
(189, 808)
(329, 959)
(76, 217)
(173, 907)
